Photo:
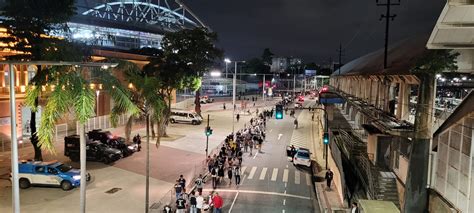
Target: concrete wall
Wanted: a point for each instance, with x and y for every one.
(337, 176)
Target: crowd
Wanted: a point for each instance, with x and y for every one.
(227, 161)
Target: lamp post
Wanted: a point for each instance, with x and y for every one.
(227, 61)
(97, 92)
(234, 81)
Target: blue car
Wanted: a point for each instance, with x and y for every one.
(51, 173)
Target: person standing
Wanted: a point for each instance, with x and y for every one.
(251, 146)
(329, 176)
(229, 174)
(199, 202)
(193, 202)
(238, 117)
(218, 203)
(214, 177)
(180, 204)
(223, 106)
(237, 175)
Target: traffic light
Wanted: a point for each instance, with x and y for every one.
(279, 111)
(208, 131)
(326, 138)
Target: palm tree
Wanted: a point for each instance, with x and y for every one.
(70, 91)
(145, 90)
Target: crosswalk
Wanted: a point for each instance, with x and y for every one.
(276, 174)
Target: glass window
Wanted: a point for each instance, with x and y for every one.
(191, 116)
(52, 171)
(39, 169)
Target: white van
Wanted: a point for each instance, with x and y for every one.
(179, 116)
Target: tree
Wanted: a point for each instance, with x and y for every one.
(71, 91)
(173, 74)
(267, 56)
(425, 69)
(30, 24)
(146, 95)
(196, 48)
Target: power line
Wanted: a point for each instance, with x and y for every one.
(387, 18)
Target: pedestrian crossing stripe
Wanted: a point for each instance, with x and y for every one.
(285, 175)
(242, 171)
(252, 173)
(274, 174)
(263, 173)
(297, 177)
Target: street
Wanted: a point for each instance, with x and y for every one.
(270, 182)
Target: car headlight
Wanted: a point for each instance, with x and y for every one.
(76, 177)
(131, 147)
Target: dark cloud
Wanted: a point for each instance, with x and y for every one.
(311, 29)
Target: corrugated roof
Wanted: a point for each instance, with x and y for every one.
(402, 57)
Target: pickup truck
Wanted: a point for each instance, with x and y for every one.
(51, 173)
(107, 138)
(95, 150)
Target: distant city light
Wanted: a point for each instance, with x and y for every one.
(438, 75)
(464, 78)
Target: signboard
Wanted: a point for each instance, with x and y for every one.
(310, 72)
(26, 118)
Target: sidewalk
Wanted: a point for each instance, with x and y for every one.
(329, 200)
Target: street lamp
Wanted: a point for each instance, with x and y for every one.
(234, 80)
(216, 73)
(227, 61)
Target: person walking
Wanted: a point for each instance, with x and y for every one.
(229, 174)
(177, 189)
(329, 176)
(210, 163)
(214, 177)
(218, 203)
(199, 202)
(223, 106)
(251, 146)
(193, 202)
(220, 174)
(246, 145)
(237, 175)
(238, 117)
(180, 205)
(182, 182)
(199, 183)
(296, 123)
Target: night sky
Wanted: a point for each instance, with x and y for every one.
(311, 29)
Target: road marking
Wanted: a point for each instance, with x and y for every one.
(274, 174)
(263, 173)
(285, 175)
(286, 166)
(284, 201)
(297, 177)
(252, 172)
(242, 171)
(271, 130)
(286, 184)
(257, 192)
(308, 180)
(284, 192)
(255, 154)
(279, 136)
(282, 211)
(242, 182)
(233, 202)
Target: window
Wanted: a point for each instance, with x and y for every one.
(52, 171)
(191, 116)
(39, 169)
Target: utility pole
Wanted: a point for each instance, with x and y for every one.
(340, 58)
(207, 136)
(387, 18)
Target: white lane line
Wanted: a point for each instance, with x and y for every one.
(284, 201)
(285, 175)
(263, 173)
(274, 174)
(285, 192)
(282, 211)
(258, 192)
(297, 177)
(233, 202)
(308, 180)
(286, 184)
(271, 130)
(255, 154)
(252, 172)
(279, 136)
(242, 171)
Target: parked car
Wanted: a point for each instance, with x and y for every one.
(53, 173)
(107, 138)
(95, 150)
(302, 157)
(203, 99)
(180, 116)
(298, 105)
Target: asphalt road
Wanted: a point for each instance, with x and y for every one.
(270, 182)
